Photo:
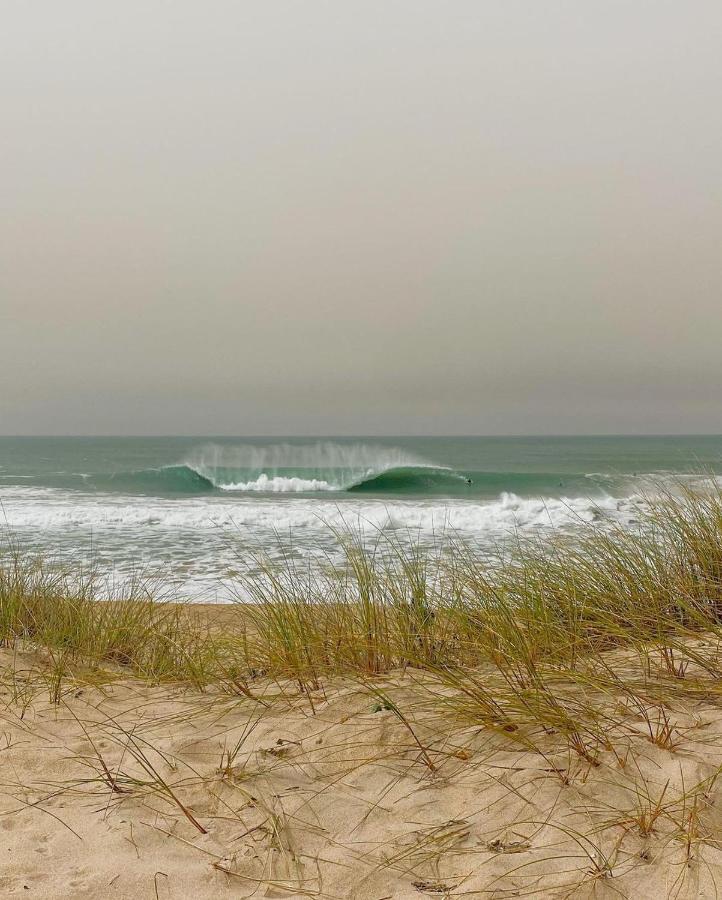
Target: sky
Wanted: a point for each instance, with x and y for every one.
(399, 217)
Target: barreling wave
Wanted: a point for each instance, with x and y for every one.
(312, 468)
(384, 478)
(290, 468)
(401, 479)
(333, 467)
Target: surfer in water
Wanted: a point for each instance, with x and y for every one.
(469, 481)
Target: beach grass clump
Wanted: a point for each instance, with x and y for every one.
(41, 606)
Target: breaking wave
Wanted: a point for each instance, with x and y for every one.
(293, 468)
(326, 467)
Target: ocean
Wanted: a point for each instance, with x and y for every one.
(200, 513)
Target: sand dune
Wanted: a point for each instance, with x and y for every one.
(128, 790)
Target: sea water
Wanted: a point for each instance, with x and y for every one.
(202, 512)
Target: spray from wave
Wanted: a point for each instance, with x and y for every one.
(309, 468)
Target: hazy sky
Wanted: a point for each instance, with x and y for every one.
(360, 217)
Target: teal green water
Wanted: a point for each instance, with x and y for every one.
(198, 511)
(438, 466)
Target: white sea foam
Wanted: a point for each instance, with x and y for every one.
(278, 484)
(48, 508)
(198, 543)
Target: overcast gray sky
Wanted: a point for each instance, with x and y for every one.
(360, 217)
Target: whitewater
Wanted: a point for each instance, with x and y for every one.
(202, 513)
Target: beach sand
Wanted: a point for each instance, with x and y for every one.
(128, 790)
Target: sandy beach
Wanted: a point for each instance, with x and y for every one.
(130, 790)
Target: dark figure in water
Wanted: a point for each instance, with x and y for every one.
(469, 481)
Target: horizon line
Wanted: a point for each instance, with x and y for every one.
(347, 436)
